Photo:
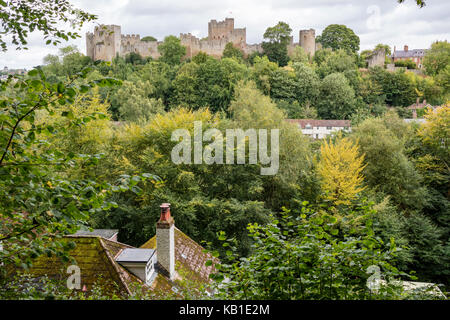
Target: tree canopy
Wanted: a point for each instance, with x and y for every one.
(19, 18)
(338, 36)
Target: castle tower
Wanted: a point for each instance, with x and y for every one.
(221, 29)
(307, 41)
(104, 43)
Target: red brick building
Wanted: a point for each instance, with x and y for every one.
(416, 55)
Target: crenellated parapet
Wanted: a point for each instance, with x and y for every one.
(106, 42)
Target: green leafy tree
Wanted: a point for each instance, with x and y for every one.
(437, 58)
(207, 84)
(303, 255)
(149, 39)
(397, 87)
(19, 18)
(308, 84)
(283, 85)
(299, 55)
(134, 102)
(362, 58)
(67, 63)
(342, 62)
(262, 71)
(388, 169)
(337, 98)
(231, 51)
(387, 48)
(428, 150)
(277, 38)
(160, 76)
(39, 202)
(321, 55)
(134, 58)
(443, 79)
(171, 50)
(337, 36)
(409, 64)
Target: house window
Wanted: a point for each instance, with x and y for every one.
(329, 128)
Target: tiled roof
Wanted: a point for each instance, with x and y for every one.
(320, 123)
(95, 257)
(105, 233)
(190, 257)
(420, 105)
(414, 53)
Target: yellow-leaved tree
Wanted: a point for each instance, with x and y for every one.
(339, 168)
(435, 133)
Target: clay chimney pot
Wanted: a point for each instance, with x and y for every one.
(165, 212)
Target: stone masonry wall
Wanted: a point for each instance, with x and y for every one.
(106, 42)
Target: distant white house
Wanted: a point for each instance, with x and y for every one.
(319, 129)
(415, 120)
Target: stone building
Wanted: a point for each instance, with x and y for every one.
(107, 41)
(377, 58)
(307, 40)
(219, 34)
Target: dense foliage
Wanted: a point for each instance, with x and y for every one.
(78, 138)
(19, 18)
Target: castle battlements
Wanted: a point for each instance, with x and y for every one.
(133, 37)
(107, 41)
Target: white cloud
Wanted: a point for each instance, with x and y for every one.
(399, 23)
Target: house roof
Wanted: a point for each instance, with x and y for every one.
(320, 123)
(105, 233)
(190, 257)
(421, 105)
(135, 255)
(95, 257)
(99, 261)
(409, 54)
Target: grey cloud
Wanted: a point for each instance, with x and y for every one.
(159, 18)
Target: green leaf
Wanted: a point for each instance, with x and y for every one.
(61, 87)
(33, 73)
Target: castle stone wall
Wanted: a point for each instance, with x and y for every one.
(133, 43)
(377, 58)
(106, 42)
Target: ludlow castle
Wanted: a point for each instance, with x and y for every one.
(107, 42)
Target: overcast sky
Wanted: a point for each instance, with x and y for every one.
(374, 21)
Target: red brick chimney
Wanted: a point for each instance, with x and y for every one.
(405, 48)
